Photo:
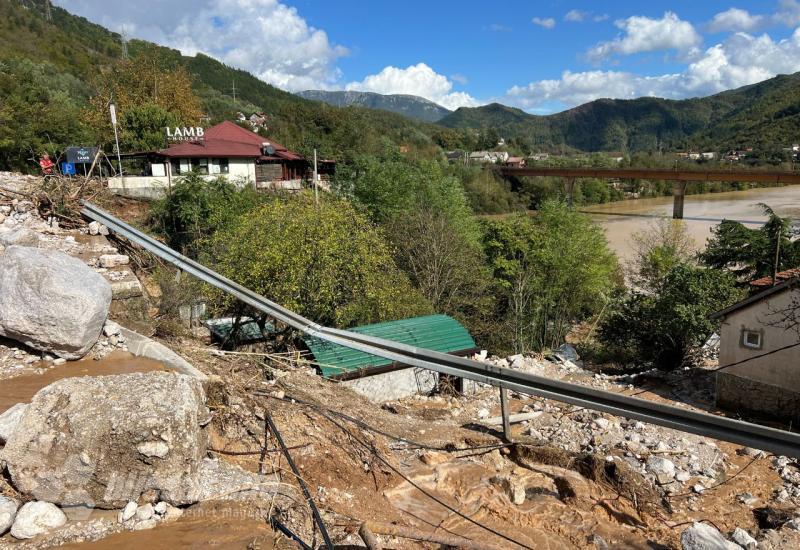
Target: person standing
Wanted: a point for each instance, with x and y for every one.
(46, 164)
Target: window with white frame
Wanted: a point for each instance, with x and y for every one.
(751, 339)
(219, 166)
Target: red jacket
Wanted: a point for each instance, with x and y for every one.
(47, 165)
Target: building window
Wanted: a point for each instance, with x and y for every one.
(200, 166)
(219, 166)
(751, 339)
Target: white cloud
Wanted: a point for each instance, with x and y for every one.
(576, 16)
(546, 22)
(419, 80)
(265, 37)
(643, 34)
(499, 27)
(788, 13)
(735, 19)
(740, 60)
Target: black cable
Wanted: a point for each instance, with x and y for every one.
(306, 493)
(288, 532)
(431, 496)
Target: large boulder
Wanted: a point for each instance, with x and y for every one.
(104, 441)
(37, 518)
(51, 301)
(701, 536)
(21, 236)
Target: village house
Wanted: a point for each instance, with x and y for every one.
(759, 351)
(515, 162)
(227, 150)
(488, 156)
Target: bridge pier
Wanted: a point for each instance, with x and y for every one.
(678, 195)
(569, 189)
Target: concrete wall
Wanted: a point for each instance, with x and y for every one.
(394, 385)
(768, 385)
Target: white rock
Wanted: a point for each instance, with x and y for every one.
(8, 511)
(701, 536)
(743, 539)
(94, 228)
(9, 420)
(36, 518)
(153, 448)
(161, 508)
(793, 524)
(602, 423)
(662, 468)
(113, 260)
(128, 512)
(144, 512)
(683, 476)
(111, 328)
(145, 525)
(483, 413)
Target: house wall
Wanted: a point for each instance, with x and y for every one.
(768, 385)
(395, 384)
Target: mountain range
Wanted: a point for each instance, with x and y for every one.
(764, 115)
(408, 105)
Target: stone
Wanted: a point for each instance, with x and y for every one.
(793, 524)
(743, 539)
(19, 236)
(128, 512)
(701, 536)
(683, 476)
(220, 480)
(8, 511)
(662, 468)
(171, 514)
(747, 498)
(145, 525)
(37, 518)
(110, 328)
(94, 228)
(601, 423)
(152, 411)
(23, 206)
(144, 512)
(9, 420)
(51, 302)
(483, 413)
(515, 490)
(567, 352)
(113, 260)
(161, 508)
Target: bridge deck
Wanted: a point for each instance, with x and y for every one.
(773, 176)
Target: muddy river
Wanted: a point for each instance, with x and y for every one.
(701, 212)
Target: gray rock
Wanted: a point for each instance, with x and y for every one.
(221, 480)
(161, 508)
(63, 423)
(9, 420)
(113, 260)
(662, 468)
(51, 301)
(701, 536)
(20, 236)
(36, 518)
(743, 539)
(145, 512)
(128, 512)
(8, 511)
(111, 328)
(145, 525)
(567, 352)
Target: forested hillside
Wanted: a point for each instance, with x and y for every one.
(762, 116)
(409, 105)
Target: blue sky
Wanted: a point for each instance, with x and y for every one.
(541, 56)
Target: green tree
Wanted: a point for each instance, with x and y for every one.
(659, 328)
(326, 261)
(143, 127)
(554, 269)
(752, 253)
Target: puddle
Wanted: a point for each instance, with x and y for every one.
(22, 388)
(206, 525)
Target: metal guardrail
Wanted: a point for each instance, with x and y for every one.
(718, 427)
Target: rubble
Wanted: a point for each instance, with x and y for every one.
(701, 536)
(743, 539)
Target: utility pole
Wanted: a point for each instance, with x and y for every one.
(124, 38)
(113, 110)
(234, 93)
(47, 13)
(316, 192)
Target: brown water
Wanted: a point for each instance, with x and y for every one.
(701, 212)
(22, 388)
(207, 525)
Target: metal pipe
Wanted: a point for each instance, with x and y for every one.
(719, 427)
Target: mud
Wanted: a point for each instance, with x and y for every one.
(22, 388)
(206, 525)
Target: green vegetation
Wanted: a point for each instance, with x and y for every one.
(660, 327)
(554, 270)
(325, 261)
(753, 253)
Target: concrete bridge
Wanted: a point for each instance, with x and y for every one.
(679, 177)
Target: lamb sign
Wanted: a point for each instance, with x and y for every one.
(190, 133)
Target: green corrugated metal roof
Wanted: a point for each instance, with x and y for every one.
(436, 332)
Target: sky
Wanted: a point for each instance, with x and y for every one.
(542, 56)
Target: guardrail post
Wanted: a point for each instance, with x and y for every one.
(504, 413)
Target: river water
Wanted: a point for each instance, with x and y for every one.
(622, 219)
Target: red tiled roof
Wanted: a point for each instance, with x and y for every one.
(780, 276)
(227, 140)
